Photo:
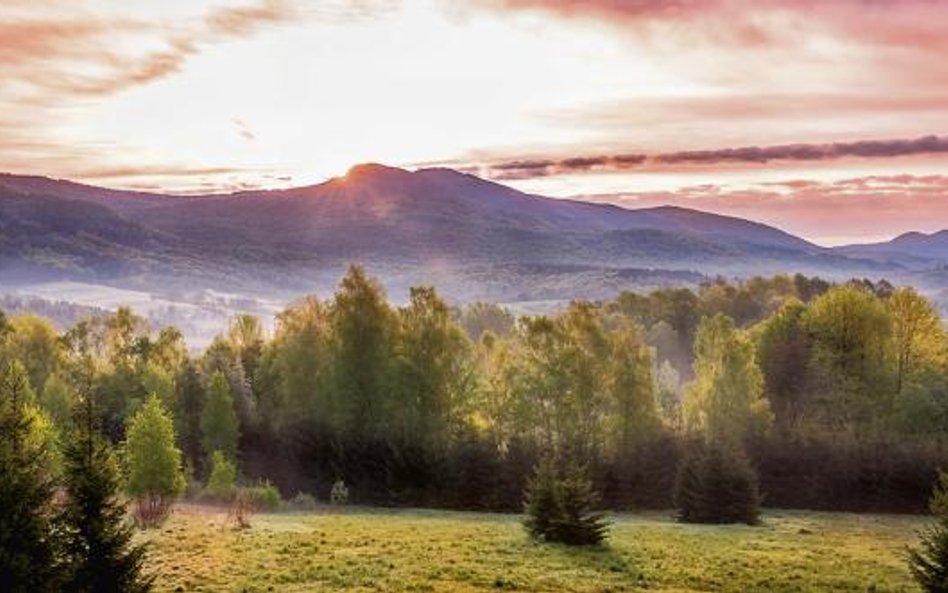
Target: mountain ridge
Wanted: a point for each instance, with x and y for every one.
(425, 226)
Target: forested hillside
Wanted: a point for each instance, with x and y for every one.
(838, 393)
(473, 238)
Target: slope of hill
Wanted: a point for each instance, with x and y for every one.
(469, 236)
(914, 249)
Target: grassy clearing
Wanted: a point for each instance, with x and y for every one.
(366, 550)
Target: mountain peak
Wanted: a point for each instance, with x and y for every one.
(370, 170)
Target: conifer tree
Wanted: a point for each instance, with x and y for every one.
(929, 561)
(560, 506)
(542, 504)
(28, 547)
(579, 524)
(716, 484)
(99, 551)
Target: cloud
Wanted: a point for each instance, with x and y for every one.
(520, 169)
(529, 169)
(809, 152)
(849, 210)
(57, 58)
(243, 20)
(243, 130)
(78, 54)
(608, 9)
(109, 173)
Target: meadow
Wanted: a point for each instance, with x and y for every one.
(415, 550)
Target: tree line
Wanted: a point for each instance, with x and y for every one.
(833, 396)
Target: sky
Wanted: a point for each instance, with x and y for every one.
(826, 118)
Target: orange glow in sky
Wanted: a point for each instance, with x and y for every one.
(776, 110)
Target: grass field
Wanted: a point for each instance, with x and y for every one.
(367, 550)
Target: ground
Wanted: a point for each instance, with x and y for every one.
(368, 550)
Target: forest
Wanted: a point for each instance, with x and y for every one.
(838, 394)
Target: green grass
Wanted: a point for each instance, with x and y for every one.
(365, 550)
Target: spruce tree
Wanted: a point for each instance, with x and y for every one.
(28, 545)
(561, 508)
(716, 484)
(579, 523)
(929, 561)
(542, 502)
(99, 550)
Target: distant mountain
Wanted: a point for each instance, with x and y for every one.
(914, 250)
(471, 237)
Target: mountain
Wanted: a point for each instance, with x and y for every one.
(914, 250)
(470, 237)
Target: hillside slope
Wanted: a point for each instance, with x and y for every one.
(471, 236)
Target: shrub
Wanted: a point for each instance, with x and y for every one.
(262, 497)
(717, 484)
(241, 509)
(929, 562)
(562, 509)
(302, 502)
(339, 493)
(221, 483)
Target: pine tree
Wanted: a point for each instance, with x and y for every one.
(561, 508)
(689, 489)
(28, 546)
(716, 484)
(99, 549)
(580, 524)
(542, 501)
(929, 562)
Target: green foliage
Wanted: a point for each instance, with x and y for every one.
(562, 508)
(716, 484)
(58, 399)
(433, 375)
(189, 403)
(246, 336)
(849, 371)
(99, 552)
(560, 377)
(155, 477)
(297, 365)
(725, 401)
(542, 504)
(784, 350)
(479, 318)
(34, 342)
(363, 329)
(222, 482)
(29, 553)
(262, 496)
(633, 401)
(929, 560)
(219, 423)
(411, 410)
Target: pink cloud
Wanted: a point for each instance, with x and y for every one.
(849, 210)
